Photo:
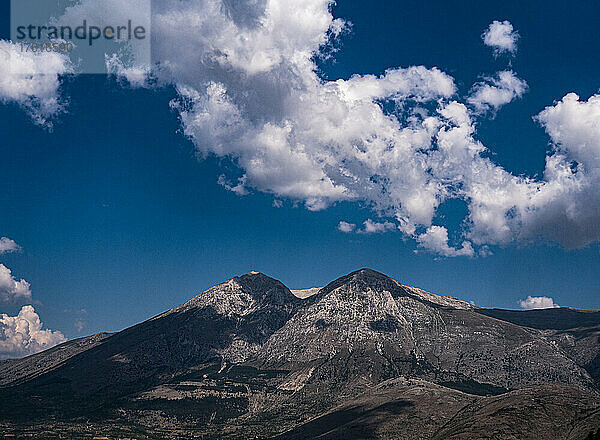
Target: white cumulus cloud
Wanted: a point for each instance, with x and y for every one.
(537, 302)
(11, 289)
(493, 93)
(32, 80)
(8, 245)
(371, 227)
(401, 143)
(23, 334)
(435, 239)
(565, 206)
(346, 227)
(501, 36)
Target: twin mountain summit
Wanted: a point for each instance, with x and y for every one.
(364, 357)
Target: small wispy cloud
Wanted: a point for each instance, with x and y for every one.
(371, 227)
(346, 227)
(493, 93)
(8, 245)
(79, 324)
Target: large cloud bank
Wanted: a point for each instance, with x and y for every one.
(23, 334)
(402, 142)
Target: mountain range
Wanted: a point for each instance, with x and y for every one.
(364, 357)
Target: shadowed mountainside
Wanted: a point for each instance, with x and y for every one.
(562, 318)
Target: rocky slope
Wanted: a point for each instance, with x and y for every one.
(576, 332)
(364, 356)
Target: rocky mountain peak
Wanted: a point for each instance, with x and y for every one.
(242, 295)
(365, 279)
(370, 280)
(263, 288)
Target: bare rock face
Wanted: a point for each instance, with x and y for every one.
(249, 358)
(409, 333)
(242, 296)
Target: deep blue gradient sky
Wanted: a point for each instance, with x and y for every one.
(117, 217)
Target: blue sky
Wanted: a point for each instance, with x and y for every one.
(117, 217)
